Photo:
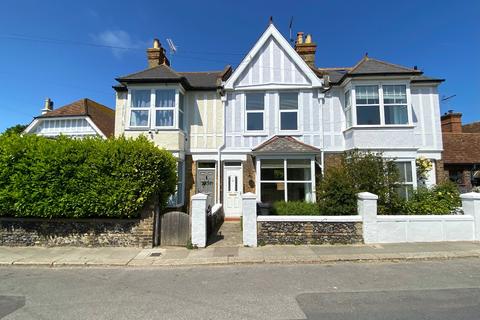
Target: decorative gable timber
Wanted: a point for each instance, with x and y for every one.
(272, 63)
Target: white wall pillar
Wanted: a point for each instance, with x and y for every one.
(249, 219)
(471, 206)
(367, 209)
(199, 220)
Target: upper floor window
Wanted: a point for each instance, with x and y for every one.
(164, 108)
(395, 104)
(156, 108)
(255, 111)
(368, 105)
(377, 105)
(140, 113)
(289, 111)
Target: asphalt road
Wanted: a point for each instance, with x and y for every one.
(411, 290)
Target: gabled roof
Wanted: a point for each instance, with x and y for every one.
(164, 73)
(273, 32)
(102, 116)
(284, 144)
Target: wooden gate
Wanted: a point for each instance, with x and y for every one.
(174, 229)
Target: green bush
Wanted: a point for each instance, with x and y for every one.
(78, 178)
(299, 208)
(441, 199)
(359, 172)
(337, 194)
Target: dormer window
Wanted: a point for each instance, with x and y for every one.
(156, 109)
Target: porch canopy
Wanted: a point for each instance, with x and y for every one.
(285, 170)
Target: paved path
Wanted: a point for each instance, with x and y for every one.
(229, 235)
(234, 255)
(434, 290)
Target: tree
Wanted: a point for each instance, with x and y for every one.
(16, 129)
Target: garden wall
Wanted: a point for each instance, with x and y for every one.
(79, 232)
(309, 230)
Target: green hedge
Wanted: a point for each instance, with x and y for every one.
(79, 178)
(444, 198)
(295, 208)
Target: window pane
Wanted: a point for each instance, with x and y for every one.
(140, 98)
(255, 101)
(348, 99)
(405, 170)
(396, 114)
(404, 191)
(255, 121)
(289, 101)
(165, 98)
(271, 192)
(272, 163)
(368, 115)
(139, 118)
(272, 174)
(366, 94)
(395, 94)
(298, 170)
(288, 120)
(299, 192)
(164, 118)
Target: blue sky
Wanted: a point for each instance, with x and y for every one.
(55, 48)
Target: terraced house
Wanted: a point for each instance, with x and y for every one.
(277, 121)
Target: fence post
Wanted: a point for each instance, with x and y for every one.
(471, 207)
(199, 220)
(367, 209)
(249, 219)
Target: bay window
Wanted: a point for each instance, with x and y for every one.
(286, 180)
(288, 111)
(140, 110)
(156, 109)
(255, 111)
(382, 104)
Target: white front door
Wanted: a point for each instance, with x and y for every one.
(232, 188)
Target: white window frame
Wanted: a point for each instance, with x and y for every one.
(380, 114)
(263, 112)
(285, 180)
(352, 88)
(395, 104)
(152, 109)
(413, 164)
(280, 111)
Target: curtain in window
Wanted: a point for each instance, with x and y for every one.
(141, 99)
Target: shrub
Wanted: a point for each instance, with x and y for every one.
(441, 199)
(359, 172)
(77, 178)
(337, 194)
(299, 208)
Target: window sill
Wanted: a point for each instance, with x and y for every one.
(290, 132)
(153, 130)
(380, 126)
(255, 133)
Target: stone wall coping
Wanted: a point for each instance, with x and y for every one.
(470, 196)
(367, 196)
(199, 196)
(431, 218)
(309, 218)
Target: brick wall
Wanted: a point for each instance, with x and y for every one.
(249, 175)
(331, 160)
(190, 177)
(79, 232)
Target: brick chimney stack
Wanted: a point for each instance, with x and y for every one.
(452, 122)
(306, 49)
(156, 56)
(48, 106)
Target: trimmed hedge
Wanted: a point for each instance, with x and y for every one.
(295, 208)
(80, 178)
(443, 198)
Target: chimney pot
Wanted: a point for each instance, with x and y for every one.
(306, 50)
(299, 37)
(156, 44)
(308, 39)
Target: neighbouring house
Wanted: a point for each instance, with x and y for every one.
(82, 118)
(181, 112)
(461, 153)
(277, 122)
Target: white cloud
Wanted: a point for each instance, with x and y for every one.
(120, 41)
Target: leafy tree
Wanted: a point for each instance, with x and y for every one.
(16, 129)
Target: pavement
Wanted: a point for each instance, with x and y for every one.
(230, 255)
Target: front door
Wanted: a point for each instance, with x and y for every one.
(206, 184)
(232, 188)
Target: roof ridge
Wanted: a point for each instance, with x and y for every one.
(395, 65)
(156, 67)
(365, 58)
(216, 71)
